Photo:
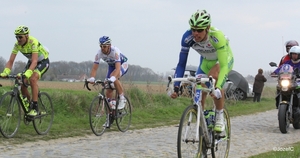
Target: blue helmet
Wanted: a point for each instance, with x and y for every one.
(104, 40)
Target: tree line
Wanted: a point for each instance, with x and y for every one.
(59, 68)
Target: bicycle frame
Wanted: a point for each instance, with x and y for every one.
(18, 81)
(196, 95)
(101, 94)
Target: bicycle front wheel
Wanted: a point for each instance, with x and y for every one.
(187, 144)
(98, 114)
(222, 140)
(123, 116)
(43, 121)
(10, 115)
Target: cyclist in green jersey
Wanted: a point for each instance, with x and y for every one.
(216, 58)
(37, 65)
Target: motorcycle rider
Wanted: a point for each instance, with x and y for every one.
(294, 61)
(288, 45)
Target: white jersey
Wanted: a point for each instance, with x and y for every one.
(114, 56)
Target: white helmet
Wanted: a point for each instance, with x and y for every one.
(294, 50)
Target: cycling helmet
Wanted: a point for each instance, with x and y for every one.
(104, 40)
(290, 44)
(200, 20)
(295, 50)
(22, 29)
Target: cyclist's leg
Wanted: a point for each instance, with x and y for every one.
(219, 125)
(203, 71)
(41, 68)
(24, 89)
(122, 100)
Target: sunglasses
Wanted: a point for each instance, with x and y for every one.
(19, 37)
(197, 30)
(103, 46)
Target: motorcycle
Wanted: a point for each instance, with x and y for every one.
(288, 97)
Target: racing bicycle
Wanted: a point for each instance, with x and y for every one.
(196, 136)
(101, 111)
(13, 105)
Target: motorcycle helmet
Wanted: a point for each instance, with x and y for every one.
(289, 44)
(294, 50)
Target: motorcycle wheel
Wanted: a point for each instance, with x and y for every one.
(283, 118)
(296, 125)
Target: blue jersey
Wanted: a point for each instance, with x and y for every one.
(289, 62)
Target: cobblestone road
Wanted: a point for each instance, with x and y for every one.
(251, 134)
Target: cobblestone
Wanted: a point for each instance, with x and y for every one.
(251, 135)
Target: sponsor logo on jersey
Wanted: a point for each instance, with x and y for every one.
(33, 47)
(96, 57)
(214, 39)
(116, 56)
(188, 39)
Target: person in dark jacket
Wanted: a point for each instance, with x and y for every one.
(258, 85)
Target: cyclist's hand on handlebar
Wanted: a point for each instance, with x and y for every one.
(216, 94)
(91, 80)
(174, 95)
(5, 73)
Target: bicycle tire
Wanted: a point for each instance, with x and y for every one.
(10, 115)
(221, 141)
(187, 145)
(123, 116)
(98, 114)
(43, 121)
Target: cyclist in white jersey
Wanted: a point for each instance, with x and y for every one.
(117, 67)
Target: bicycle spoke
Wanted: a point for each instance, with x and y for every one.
(187, 145)
(222, 140)
(97, 116)
(43, 121)
(10, 115)
(123, 117)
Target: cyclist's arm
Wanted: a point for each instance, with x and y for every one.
(183, 56)
(222, 47)
(11, 60)
(94, 70)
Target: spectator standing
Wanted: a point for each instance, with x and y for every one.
(258, 85)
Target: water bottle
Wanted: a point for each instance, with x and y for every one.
(25, 102)
(209, 117)
(113, 103)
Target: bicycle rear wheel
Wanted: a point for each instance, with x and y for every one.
(187, 145)
(98, 114)
(221, 141)
(10, 115)
(123, 116)
(43, 121)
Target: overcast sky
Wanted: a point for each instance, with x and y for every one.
(149, 32)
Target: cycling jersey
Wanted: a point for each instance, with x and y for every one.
(32, 46)
(114, 56)
(289, 62)
(214, 50)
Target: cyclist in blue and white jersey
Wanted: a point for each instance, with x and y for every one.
(117, 67)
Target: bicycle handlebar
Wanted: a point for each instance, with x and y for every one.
(104, 84)
(191, 79)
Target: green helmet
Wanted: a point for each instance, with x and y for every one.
(200, 20)
(21, 30)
